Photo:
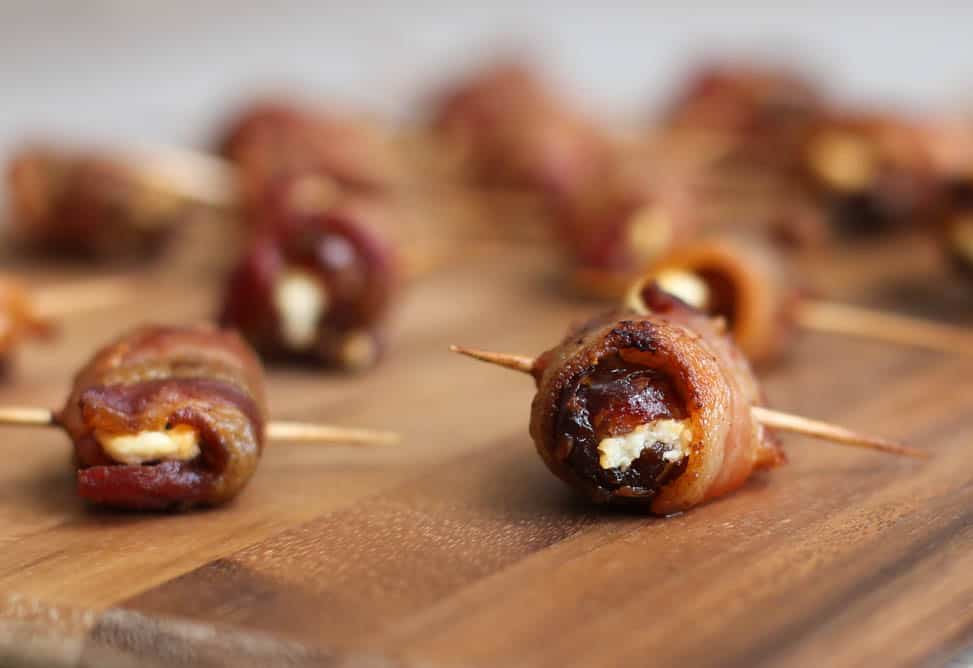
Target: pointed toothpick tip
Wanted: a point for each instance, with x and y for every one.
(826, 431)
(520, 363)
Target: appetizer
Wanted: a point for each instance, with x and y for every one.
(627, 223)
(872, 173)
(748, 288)
(658, 410)
(171, 418)
(957, 222)
(91, 205)
(764, 113)
(316, 284)
(743, 283)
(511, 131)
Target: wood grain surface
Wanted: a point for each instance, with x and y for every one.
(458, 548)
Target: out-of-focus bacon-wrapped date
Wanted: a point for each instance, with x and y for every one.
(950, 142)
(315, 285)
(551, 153)
(18, 318)
(477, 106)
(613, 234)
(956, 221)
(89, 205)
(742, 282)
(873, 173)
(765, 112)
(273, 140)
(511, 131)
(167, 418)
(651, 410)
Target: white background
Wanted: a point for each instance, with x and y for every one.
(168, 71)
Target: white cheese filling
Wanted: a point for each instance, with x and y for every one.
(619, 452)
(844, 161)
(180, 443)
(300, 300)
(650, 233)
(685, 285)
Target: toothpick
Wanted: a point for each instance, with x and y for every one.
(515, 362)
(831, 432)
(771, 418)
(858, 321)
(25, 416)
(303, 432)
(52, 302)
(197, 176)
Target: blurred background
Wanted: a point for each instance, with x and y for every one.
(169, 71)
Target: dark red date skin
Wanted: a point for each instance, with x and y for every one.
(612, 400)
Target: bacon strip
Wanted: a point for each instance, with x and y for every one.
(157, 378)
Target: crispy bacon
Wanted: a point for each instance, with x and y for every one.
(339, 253)
(748, 287)
(157, 379)
(89, 205)
(625, 369)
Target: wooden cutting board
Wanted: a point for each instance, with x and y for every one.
(458, 547)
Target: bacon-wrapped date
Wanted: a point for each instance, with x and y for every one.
(611, 235)
(511, 131)
(650, 409)
(873, 173)
(167, 418)
(89, 205)
(275, 139)
(18, 318)
(742, 282)
(315, 285)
